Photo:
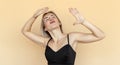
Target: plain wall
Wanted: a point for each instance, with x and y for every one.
(16, 49)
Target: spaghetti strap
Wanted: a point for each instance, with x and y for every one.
(68, 38)
(48, 41)
(63, 56)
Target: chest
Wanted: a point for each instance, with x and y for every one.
(63, 53)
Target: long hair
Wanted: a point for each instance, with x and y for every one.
(46, 33)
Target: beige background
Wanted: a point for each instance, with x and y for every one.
(16, 49)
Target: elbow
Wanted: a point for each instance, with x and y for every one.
(23, 31)
(102, 36)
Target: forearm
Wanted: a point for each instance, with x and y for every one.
(95, 30)
(28, 24)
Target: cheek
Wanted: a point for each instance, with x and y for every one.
(57, 20)
(47, 23)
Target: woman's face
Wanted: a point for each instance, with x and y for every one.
(50, 21)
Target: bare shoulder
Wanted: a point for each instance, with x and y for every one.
(75, 33)
(72, 37)
(44, 44)
(46, 41)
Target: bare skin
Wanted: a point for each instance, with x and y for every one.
(59, 39)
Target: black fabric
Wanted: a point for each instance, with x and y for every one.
(64, 56)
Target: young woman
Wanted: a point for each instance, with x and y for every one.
(60, 47)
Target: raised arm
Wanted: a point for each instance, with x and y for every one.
(26, 30)
(95, 35)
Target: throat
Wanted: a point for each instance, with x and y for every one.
(59, 41)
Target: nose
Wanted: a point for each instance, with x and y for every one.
(50, 18)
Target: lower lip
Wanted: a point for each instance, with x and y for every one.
(52, 22)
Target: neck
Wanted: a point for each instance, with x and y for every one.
(56, 34)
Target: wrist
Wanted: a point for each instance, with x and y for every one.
(80, 18)
(85, 22)
(79, 22)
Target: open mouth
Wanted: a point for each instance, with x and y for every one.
(52, 22)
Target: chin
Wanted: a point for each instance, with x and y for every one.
(54, 27)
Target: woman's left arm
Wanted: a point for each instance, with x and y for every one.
(96, 34)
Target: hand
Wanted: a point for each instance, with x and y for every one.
(40, 11)
(80, 19)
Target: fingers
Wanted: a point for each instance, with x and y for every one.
(45, 9)
(73, 11)
(40, 11)
(70, 10)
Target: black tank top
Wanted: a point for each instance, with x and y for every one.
(64, 56)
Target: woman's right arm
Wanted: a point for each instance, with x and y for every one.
(26, 30)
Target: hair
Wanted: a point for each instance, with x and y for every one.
(46, 33)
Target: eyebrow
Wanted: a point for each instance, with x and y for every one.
(47, 17)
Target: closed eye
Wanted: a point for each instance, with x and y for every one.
(46, 19)
(52, 16)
